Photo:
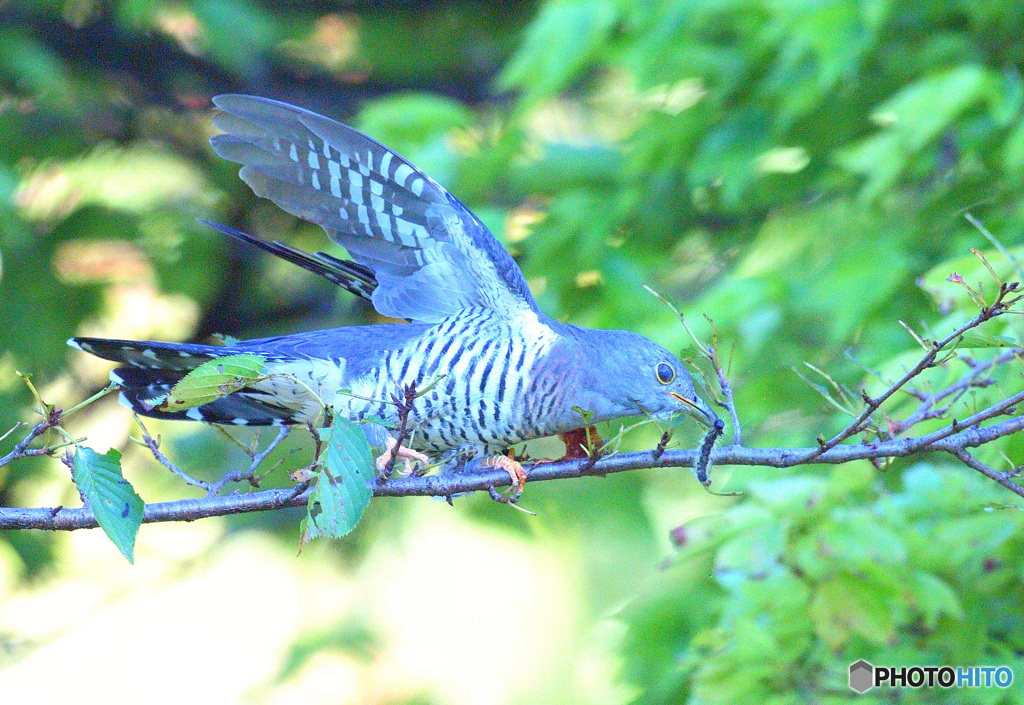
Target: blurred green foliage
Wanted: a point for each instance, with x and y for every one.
(772, 601)
(797, 170)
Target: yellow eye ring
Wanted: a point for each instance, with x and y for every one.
(664, 373)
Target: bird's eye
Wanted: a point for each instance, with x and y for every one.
(665, 372)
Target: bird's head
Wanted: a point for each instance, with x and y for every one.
(645, 378)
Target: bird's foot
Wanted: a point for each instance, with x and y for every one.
(515, 471)
(578, 440)
(407, 455)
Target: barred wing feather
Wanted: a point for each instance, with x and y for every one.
(430, 255)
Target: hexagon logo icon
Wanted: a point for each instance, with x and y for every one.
(862, 676)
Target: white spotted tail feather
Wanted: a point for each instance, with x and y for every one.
(430, 255)
(151, 368)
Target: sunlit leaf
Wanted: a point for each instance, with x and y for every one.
(213, 380)
(113, 500)
(912, 119)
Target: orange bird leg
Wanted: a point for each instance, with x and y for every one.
(514, 469)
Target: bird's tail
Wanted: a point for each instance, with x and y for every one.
(150, 369)
(354, 277)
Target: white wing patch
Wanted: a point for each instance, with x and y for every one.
(402, 173)
(385, 163)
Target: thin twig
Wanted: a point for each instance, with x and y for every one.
(927, 410)
(404, 408)
(154, 447)
(11, 430)
(21, 450)
(1000, 408)
(997, 308)
(972, 462)
(730, 401)
(995, 243)
(109, 389)
(248, 475)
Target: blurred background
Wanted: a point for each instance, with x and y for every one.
(797, 170)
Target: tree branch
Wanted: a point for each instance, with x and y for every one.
(478, 478)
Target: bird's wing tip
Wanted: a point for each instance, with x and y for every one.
(225, 99)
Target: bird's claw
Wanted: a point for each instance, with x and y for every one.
(516, 473)
(407, 455)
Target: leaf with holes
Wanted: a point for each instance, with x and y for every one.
(113, 500)
(212, 380)
(342, 483)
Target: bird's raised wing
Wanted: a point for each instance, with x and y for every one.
(430, 255)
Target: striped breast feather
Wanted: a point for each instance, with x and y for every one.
(430, 255)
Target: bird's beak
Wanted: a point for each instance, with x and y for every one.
(698, 410)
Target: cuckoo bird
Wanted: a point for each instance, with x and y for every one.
(502, 371)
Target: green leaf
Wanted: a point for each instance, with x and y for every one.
(113, 500)
(342, 483)
(857, 541)
(237, 31)
(564, 38)
(845, 606)
(980, 340)
(584, 414)
(213, 380)
(750, 554)
(788, 495)
(921, 111)
(934, 598)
